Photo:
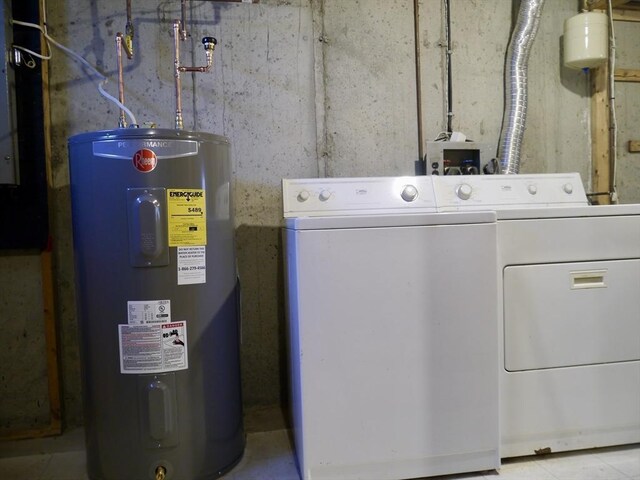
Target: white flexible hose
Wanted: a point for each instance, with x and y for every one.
(75, 56)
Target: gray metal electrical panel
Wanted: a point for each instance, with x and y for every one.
(8, 135)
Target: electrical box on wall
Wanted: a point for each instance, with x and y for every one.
(459, 158)
(24, 215)
(9, 173)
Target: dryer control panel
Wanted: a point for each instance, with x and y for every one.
(357, 196)
(498, 192)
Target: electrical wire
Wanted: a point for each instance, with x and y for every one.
(442, 137)
(447, 67)
(418, 62)
(32, 53)
(612, 106)
(103, 78)
(31, 63)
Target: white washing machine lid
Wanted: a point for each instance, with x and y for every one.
(378, 221)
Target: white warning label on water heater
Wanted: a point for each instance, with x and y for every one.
(153, 348)
(142, 312)
(192, 265)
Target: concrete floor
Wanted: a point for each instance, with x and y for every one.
(269, 456)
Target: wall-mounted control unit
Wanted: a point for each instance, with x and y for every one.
(459, 158)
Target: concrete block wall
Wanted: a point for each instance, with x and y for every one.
(302, 88)
(23, 381)
(367, 69)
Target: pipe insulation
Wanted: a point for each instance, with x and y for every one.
(515, 82)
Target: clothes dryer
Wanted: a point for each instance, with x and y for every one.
(568, 310)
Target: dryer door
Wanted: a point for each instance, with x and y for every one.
(569, 314)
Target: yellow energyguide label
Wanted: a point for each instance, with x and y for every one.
(187, 217)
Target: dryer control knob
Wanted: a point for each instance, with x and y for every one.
(463, 191)
(303, 196)
(324, 195)
(532, 189)
(409, 193)
(568, 188)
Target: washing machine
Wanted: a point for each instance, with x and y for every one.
(568, 310)
(393, 343)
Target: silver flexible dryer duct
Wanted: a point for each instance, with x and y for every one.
(515, 83)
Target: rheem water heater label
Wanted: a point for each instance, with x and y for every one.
(192, 265)
(187, 217)
(148, 311)
(153, 348)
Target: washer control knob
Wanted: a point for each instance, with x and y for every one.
(533, 189)
(409, 193)
(463, 191)
(303, 196)
(568, 188)
(324, 195)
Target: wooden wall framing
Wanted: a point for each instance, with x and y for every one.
(48, 295)
(601, 135)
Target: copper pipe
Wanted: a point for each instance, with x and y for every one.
(209, 46)
(128, 41)
(122, 121)
(178, 84)
(195, 69)
(183, 23)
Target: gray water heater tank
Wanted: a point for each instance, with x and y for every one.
(158, 309)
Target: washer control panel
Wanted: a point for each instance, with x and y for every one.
(488, 192)
(429, 194)
(357, 196)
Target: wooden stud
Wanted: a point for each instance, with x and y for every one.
(623, 10)
(48, 297)
(48, 275)
(603, 4)
(626, 15)
(50, 329)
(627, 75)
